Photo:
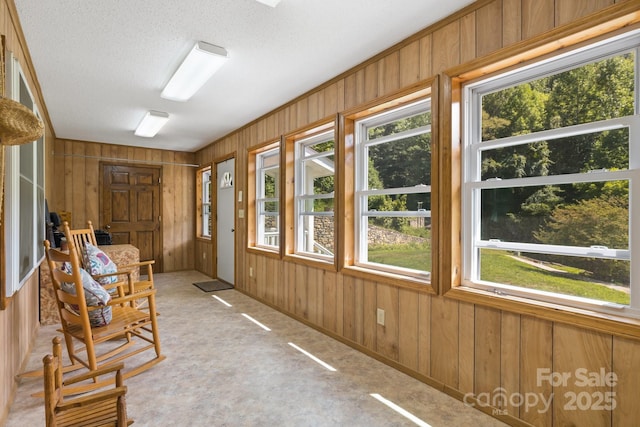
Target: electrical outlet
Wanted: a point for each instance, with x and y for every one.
(204, 255)
(380, 317)
(250, 271)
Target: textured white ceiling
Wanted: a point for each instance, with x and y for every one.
(102, 63)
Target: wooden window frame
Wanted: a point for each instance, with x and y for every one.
(346, 213)
(593, 28)
(200, 202)
(13, 278)
(252, 199)
(291, 176)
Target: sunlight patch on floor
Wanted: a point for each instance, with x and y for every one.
(221, 300)
(400, 410)
(314, 358)
(256, 322)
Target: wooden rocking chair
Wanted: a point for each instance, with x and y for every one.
(82, 236)
(101, 408)
(99, 345)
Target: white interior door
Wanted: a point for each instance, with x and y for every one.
(225, 223)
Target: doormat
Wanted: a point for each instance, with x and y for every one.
(213, 285)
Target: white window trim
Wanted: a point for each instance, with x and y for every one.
(261, 240)
(301, 196)
(12, 193)
(472, 184)
(206, 205)
(362, 192)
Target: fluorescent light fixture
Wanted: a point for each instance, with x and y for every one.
(151, 123)
(198, 67)
(272, 3)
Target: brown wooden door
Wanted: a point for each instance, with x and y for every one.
(131, 208)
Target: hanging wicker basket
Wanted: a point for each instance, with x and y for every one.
(18, 124)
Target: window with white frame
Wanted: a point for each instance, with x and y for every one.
(24, 185)
(393, 190)
(205, 197)
(314, 195)
(268, 198)
(551, 175)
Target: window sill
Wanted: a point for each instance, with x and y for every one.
(272, 253)
(606, 323)
(312, 262)
(397, 280)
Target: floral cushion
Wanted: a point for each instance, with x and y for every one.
(97, 262)
(94, 295)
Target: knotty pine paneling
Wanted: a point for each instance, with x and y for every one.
(408, 328)
(574, 350)
(366, 311)
(511, 21)
(300, 286)
(538, 16)
(19, 323)
(487, 349)
(467, 343)
(510, 355)
(424, 334)
(447, 41)
(352, 300)
(488, 18)
(444, 341)
(536, 346)
(204, 256)
(466, 347)
(389, 74)
(626, 360)
(570, 11)
(330, 310)
(468, 36)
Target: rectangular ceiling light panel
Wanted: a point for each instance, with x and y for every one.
(198, 67)
(272, 3)
(151, 123)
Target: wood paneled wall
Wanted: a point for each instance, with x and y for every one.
(19, 314)
(75, 187)
(459, 347)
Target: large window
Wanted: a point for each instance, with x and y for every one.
(25, 228)
(551, 176)
(393, 190)
(268, 198)
(315, 195)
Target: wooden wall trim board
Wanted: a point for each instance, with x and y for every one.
(460, 343)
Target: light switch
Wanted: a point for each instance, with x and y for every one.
(240, 213)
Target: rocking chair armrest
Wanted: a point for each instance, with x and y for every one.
(132, 297)
(138, 264)
(92, 398)
(96, 373)
(115, 273)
